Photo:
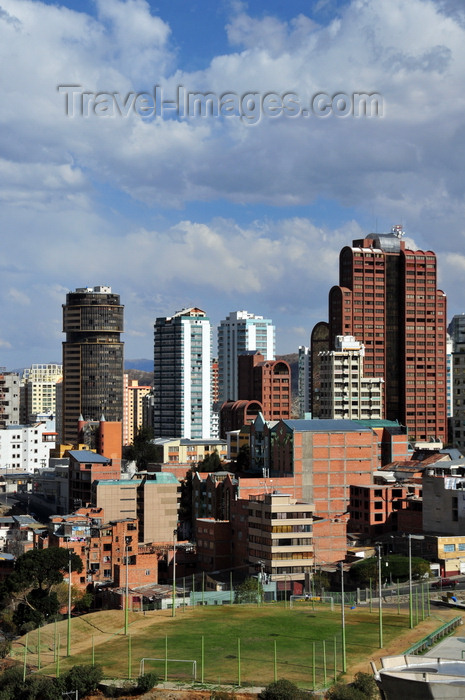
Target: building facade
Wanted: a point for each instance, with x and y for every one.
(182, 375)
(38, 391)
(92, 358)
(344, 390)
(9, 399)
(241, 332)
(387, 298)
(457, 334)
(133, 411)
(304, 384)
(25, 448)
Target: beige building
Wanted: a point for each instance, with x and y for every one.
(280, 536)
(345, 392)
(185, 450)
(38, 390)
(152, 497)
(133, 396)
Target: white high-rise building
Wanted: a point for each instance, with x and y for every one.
(38, 390)
(241, 332)
(182, 375)
(345, 392)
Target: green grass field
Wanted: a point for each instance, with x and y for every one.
(236, 640)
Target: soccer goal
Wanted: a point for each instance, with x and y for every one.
(178, 661)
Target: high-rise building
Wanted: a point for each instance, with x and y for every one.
(38, 391)
(241, 332)
(304, 386)
(92, 358)
(182, 375)
(387, 298)
(345, 392)
(133, 408)
(457, 334)
(9, 398)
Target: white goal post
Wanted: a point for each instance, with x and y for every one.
(180, 661)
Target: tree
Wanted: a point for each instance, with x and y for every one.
(35, 574)
(283, 690)
(84, 679)
(393, 565)
(250, 591)
(142, 451)
(42, 568)
(210, 463)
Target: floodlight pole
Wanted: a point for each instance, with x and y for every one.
(173, 612)
(126, 595)
(380, 600)
(68, 636)
(343, 621)
(410, 592)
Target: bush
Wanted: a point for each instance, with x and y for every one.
(5, 648)
(363, 688)
(366, 683)
(84, 679)
(283, 690)
(146, 682)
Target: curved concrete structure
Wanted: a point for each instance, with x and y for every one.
(420, 678)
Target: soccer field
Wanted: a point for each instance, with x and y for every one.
(237, 644)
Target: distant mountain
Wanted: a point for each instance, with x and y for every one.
(143, 365)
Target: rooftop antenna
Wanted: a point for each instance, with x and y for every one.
(398, 230)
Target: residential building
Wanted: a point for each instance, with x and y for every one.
(186, 451)
(280, 536)
(9, 398)
(304, 382)
(264, 387)
(92, 358)
(375, 508)
(344, 390)
(133, 401)
(25, 448)
(85, 467)
(387, 298)
(457, 333)
(182, 375)
(38, 391)
(109, 550)
(241, 332)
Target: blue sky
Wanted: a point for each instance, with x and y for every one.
(217, 211)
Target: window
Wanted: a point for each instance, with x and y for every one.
(449, 547)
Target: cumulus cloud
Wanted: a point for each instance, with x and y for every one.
(90, 199)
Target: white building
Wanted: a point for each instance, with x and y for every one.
(345, 392)
(25, 447)
(182, 375)
(304, 381)
(9, 398)
(38, 390)
(241, 332)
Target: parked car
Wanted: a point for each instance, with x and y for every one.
(445, 583)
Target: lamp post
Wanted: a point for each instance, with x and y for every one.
(68, 636)
(127, 540)
(343, 621)
(410, 600)
(173, 612)
(380, 600)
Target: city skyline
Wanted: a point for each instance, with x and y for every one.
(221, 212)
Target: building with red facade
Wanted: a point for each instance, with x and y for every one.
(264, 386)
(85, 467)
(387, 298)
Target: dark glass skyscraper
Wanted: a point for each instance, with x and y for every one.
(92, 358)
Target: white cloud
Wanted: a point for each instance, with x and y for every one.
(84, 200)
